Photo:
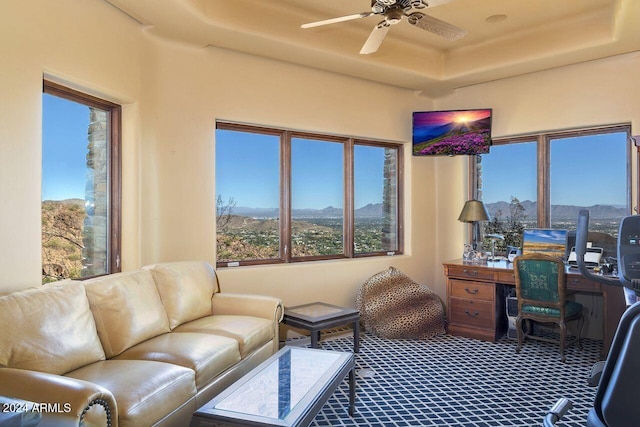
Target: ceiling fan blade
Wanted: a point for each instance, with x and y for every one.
(334, 20)
(375, 39)
(436, 26)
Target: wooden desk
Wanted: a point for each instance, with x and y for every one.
(476, 303)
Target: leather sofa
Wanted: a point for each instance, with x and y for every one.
(139, 348)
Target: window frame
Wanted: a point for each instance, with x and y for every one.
(543, 148)
(348, 222)
(115, 165)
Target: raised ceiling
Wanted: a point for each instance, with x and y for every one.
(504, 37)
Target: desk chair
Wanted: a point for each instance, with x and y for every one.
(541, 293)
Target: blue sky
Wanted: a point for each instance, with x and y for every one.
(585, 171)
(252, 178)
(546, 236)
(64, 148)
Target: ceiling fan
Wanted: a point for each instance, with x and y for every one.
(393, 11)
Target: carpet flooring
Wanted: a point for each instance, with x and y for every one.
(454, 381)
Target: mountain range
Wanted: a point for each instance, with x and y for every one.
(374, 210)
(561, 211)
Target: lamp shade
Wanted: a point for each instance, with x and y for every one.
(474, 210)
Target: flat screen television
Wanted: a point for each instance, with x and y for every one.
(451, 133)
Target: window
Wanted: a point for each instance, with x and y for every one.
(248, 196)
(375, 197)
(544, 180)
(590, 171)
(287, 196)
(317, 198)
(80, 184)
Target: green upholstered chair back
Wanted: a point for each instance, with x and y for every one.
(540, 288)
(540, 281)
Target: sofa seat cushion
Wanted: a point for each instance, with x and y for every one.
(186, 289)
(48, 329)
(250, 332)
(207, 355)
(127, 309)
(145, 391)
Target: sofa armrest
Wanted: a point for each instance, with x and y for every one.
(62, 401)
(251, 305)
(248, 305)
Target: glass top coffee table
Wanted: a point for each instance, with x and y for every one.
(317, 316)
(288, 389)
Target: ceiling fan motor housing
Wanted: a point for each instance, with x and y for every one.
(381, 6)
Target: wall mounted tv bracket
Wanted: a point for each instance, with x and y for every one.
(592, 257)
(628, 248)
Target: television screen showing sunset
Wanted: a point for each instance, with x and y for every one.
(451, 132)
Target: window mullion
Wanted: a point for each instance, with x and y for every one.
(115, 190)
(544, 182)
(634, 208)
(285, 196)
(348, 224)
(400, 199)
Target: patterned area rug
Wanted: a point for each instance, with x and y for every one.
(454, 381)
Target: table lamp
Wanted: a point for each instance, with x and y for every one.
(474, 211)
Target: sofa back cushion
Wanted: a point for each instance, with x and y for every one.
(127, 310)
(48, 329)
(186, 289)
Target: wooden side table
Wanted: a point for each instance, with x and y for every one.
(317, 316)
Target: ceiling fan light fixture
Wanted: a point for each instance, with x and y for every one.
(415, 17)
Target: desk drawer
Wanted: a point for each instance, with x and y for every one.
(506, 277)
(478, 314)
(580, 283)
(469, 272)
(471, 290)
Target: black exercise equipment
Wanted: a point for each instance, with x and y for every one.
(617, 378)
